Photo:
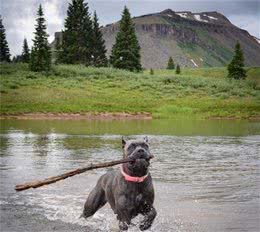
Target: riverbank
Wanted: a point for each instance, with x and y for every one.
(102, 116)
(76, 116)
(78, 92)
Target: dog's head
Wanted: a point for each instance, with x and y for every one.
(139, 151)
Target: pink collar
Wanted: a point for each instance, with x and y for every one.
(133, 178)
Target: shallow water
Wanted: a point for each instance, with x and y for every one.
(206, 173)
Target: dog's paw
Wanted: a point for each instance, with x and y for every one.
(144, 226)
(123, 226)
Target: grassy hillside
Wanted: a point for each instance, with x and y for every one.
(196, 92)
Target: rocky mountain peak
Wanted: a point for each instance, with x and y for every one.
(212, 17)
(192, 39)
(168, 11)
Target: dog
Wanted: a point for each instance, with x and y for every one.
(129, 191)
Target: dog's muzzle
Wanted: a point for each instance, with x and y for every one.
(140, 154)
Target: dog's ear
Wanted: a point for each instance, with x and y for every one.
(146, 139)
(123, 142)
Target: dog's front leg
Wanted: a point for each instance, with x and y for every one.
(123, 214)
(149, 216)
(95, 201)
(124, 220)
(123, 226)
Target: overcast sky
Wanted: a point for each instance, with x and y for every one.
(19, 15)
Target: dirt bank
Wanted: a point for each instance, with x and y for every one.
(79, 116)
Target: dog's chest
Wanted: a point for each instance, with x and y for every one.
(139, 198)
(135, 199)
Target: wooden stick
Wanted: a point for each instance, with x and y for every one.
(53, 179)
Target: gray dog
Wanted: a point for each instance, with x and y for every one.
(129, 191)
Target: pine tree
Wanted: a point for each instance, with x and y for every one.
(4, 49)
(40, 54)
(26, 52)
(170, 64)
(17, 59)
(126, 50)
(77, 38)
(58, 49)
(236, 67)
(99, 48)
(178, 69)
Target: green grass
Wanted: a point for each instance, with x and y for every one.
(76, 89)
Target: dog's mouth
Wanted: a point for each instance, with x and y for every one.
(141, 161)
(133, 162)
(139, 165)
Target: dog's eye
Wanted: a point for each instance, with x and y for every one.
(131, 147)
(145, 146)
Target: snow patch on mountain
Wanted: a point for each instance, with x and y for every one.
(194, 63)
(183, 15)
(198, 18)
(210, 17)
(257, 40)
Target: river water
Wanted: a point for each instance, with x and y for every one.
(206, 173)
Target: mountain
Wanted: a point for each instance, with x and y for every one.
(192, 39)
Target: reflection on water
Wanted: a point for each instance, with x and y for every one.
(182, 126)
(202, 183)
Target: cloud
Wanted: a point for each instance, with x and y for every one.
(19, 18)
(19, 15)
(52, 14)
(18, 22)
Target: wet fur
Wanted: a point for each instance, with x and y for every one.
(127, 199)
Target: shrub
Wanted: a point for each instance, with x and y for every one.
(178, 69)
(13, 86)
(170, 64)
(167, 80)
(31, 76)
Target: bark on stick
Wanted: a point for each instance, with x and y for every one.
(53, 179)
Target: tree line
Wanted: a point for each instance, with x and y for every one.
(82, 43)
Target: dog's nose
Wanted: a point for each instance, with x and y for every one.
(141, 150)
